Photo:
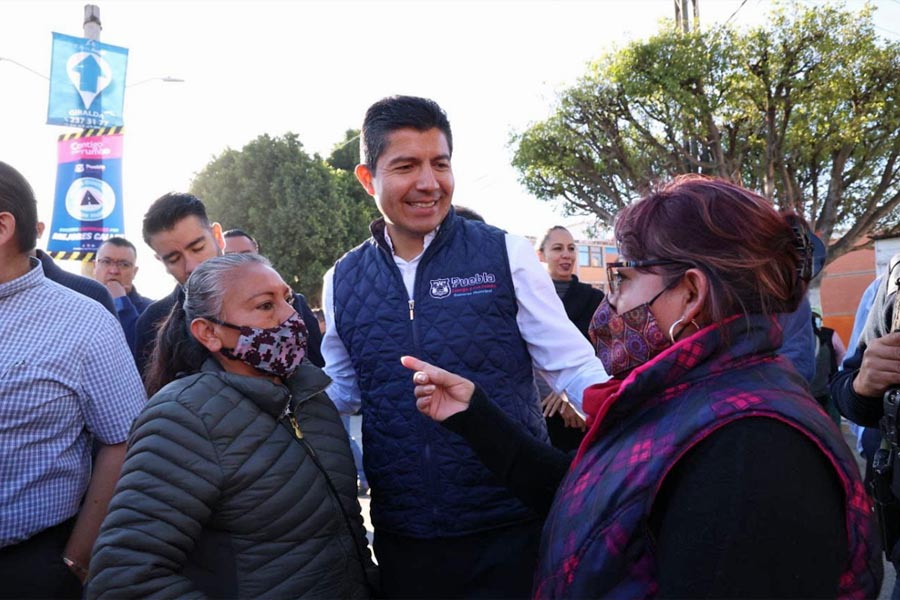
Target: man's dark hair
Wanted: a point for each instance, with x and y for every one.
(121, 243)
(241, 233)
(399, 112)
(17, 198)
(167, 210)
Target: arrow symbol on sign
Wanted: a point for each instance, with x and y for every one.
(90, 74)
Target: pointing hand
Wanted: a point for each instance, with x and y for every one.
(439, 393)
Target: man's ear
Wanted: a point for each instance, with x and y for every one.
(205, 332)
(7, 228)
(365, 177)
(217, 235)
(40, 229)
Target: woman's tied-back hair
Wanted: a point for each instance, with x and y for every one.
(543, 242)
(749, 251)
(177, 353)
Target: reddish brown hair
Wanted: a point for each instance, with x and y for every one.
(746, 248)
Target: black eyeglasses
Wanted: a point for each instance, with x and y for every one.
(612, 269)
(122, 264)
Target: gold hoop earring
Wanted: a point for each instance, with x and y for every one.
(676, 324)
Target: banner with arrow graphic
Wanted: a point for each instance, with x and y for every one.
(87, 83)
(88, 206)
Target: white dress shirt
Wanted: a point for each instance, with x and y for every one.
(558, 350)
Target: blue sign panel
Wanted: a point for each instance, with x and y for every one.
(88, 207)
(87, 83)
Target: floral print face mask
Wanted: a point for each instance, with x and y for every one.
(275, 350)
(626, 340)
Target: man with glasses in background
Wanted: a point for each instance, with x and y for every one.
(115, 268)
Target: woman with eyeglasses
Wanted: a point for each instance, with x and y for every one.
(708, 470)
(238, 481)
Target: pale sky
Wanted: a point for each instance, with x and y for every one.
(313, 68)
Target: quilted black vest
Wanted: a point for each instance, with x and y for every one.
(425, 480)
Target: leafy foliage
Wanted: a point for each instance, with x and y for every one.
(805, 110)
(304, 213)
(345, 154)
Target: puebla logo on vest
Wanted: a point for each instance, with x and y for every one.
(440, 288)
(479, 283)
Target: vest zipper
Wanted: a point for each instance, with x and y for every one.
(412, 309)
(293, 421)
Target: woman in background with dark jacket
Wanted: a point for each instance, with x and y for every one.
(557, 249)
(238, 482)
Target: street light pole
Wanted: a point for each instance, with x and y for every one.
(92, 26)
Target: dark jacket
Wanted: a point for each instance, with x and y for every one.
(147, 325)
(83, 285)
(426, 482)
(580, 302)
(314, 334)
(220, 496)
(129, 308)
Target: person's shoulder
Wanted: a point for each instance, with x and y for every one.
(160, 307)
(191, 391)
(591, 294)
(66, 300)
(83, 285)
(472, 227)
(140, 301)
(300, 301)
(351, 258)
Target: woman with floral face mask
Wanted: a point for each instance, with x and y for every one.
(708, 470)
(238, 482)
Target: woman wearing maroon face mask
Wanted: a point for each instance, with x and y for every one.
(708, 470)
(238, 481)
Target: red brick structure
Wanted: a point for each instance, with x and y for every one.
(843, 285)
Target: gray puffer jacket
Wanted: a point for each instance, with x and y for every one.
(221, 496)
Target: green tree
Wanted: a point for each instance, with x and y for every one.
(302, 211)
(343, 158)
(806, 110)
(345, 154)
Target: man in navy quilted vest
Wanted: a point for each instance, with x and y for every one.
(465, 296)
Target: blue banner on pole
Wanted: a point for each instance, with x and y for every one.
(87, 83)
(88, 206)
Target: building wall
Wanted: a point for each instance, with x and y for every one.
(593, 256)
(843, 285)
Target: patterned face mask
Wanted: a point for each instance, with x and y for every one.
(627, 340)
(276, 350)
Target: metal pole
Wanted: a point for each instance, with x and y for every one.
(92, 29)
(92, 26)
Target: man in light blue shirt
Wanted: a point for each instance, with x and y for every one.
(66, 378)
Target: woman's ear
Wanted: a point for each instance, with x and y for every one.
(697, 294)
(205, 332)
